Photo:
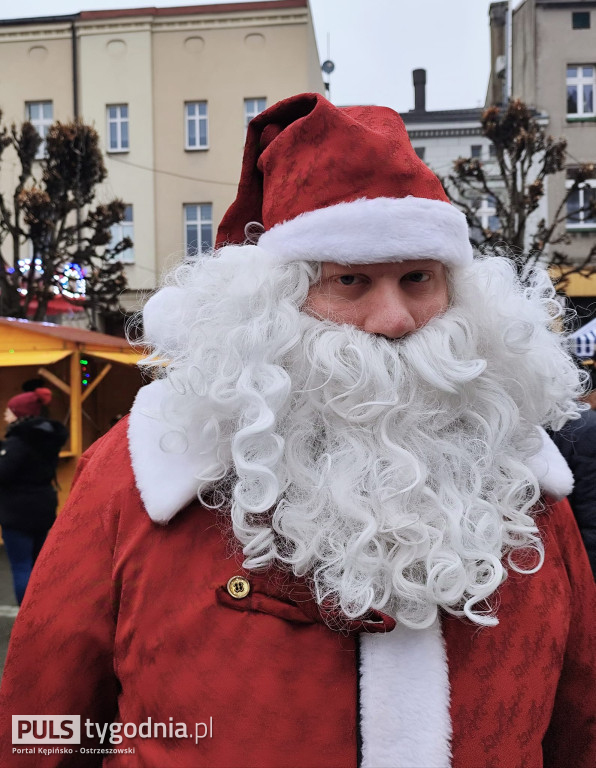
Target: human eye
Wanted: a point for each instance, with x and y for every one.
(347, 279)
(417, 277)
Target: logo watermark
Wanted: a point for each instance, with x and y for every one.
(46, 729)
(31, 730)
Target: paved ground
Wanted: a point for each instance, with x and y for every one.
(8, 605)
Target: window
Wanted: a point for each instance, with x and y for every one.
(476, 150)
(118, 128)
(577, 218)
(198, 228)
(124, 229)
(196, 121)
(580, 90)
(486, 211)
(41, 115)
(252, 107)
(492, 151)
(580, 20)
(420, 152)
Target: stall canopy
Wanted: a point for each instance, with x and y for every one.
(26, 343)
(584, 341)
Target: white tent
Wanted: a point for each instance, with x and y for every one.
(584, 340)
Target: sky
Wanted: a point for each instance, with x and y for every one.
(374, 44)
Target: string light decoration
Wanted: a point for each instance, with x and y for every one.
(85, 372)
(71, 281)
(24, 267)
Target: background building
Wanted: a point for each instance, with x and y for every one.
(554, 69)
(442, 136)
(544, 53)
(170, 92)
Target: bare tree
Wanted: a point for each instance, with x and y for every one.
(52, 207)
(523, 157)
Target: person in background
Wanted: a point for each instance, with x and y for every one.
(28, 497)
(577, 443)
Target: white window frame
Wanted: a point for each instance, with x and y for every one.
(124, 228)
(253, 107)
(199, 218)
(579, 81)
(41, 124)
(581, 224)
(119, 120)
(196, 115)
(488, 211)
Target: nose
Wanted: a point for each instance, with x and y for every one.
(389, 313)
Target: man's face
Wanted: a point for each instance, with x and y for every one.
(391, 299)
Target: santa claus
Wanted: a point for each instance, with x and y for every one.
(329, 533)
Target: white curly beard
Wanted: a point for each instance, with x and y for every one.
(393, 475)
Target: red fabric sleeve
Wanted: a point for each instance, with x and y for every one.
(60, 655)
(571, 737)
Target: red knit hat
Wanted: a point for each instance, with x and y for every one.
(29, 403)
(343, 185)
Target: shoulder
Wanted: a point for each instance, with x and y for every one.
(11, 440)
(556, 518)
(578, 436)
(563, 542)
(106, 464)
(43, 435)
(13, 449)
(18, 433)
(109, 448)
(103, 487)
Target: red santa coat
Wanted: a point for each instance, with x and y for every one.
(128, 621)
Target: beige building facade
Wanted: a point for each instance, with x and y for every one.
(170, 91)
(553, 68)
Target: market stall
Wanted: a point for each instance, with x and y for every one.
(93, 377)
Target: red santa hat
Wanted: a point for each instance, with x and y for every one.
(30, 403)
(344, 185)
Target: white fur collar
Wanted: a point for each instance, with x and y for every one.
(167, 481)
(551, 469)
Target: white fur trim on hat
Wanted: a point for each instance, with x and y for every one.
(367, 231)
(404, 697)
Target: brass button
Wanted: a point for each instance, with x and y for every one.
(238, 587)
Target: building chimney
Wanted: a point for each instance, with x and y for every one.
(497, 92)
(419, 77)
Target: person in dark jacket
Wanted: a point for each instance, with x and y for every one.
(28, 498)
(577, 443)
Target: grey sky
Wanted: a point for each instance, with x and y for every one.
(375, 45)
